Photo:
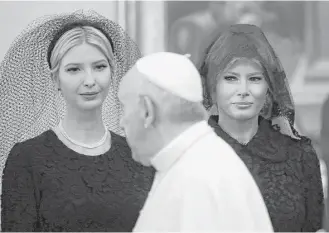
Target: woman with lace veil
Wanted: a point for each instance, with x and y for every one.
(67, 166)
(251, 108)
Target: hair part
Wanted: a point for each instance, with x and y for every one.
(77, 36)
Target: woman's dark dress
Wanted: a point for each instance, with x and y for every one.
(49, 187)
(287, 172)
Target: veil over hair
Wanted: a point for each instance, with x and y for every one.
(30, 103)
(248, 41)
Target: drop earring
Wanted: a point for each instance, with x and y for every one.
(266, 110)
(213, 110)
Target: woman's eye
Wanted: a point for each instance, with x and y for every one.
(72, 69)
(255, 79)
(230, 78)
(101, 67)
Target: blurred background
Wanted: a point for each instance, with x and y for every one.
(296, 30)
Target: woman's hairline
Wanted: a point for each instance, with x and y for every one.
(70, 26)
(235, 60)
(84, 40)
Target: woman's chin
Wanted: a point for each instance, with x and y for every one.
(243, 115)
(91, 105)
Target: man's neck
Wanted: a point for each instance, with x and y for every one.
(242, 131)
(168, 143)
(170, 132)
(84, 126)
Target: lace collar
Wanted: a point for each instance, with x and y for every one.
(268, 143)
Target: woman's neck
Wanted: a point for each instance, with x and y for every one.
(85, 127)
(242, 131)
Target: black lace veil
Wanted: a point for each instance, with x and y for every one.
(248, 41)
(30, 103)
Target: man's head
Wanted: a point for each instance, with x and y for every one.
(160, 94)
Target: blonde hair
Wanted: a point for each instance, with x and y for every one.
(78, 36)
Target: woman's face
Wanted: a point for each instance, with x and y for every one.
(84, 77)
(241, 90)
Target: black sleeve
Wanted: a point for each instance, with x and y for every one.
(18, 207)
(313, 188)
(324, 143)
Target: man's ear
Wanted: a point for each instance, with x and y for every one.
(149, 111)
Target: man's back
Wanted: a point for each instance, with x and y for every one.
(238, 203)
(207, 189)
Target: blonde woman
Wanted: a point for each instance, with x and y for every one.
(77, 175)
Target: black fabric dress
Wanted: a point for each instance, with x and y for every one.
(48, 187)
(287, 172)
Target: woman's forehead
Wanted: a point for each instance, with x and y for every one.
(246, 62)
(83, 53)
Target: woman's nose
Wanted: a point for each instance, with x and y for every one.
(89, 80)
(243, 88)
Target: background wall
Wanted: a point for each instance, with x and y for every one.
(15, 16)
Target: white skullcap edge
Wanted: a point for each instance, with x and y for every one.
(174, 73)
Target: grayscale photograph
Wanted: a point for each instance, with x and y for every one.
(164, 116)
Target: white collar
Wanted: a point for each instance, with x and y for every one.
(164, 159)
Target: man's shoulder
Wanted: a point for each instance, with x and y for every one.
(213, 157)
(213, 145)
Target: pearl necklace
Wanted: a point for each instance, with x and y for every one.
(90, 146)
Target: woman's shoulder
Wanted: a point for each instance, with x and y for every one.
(30, 148)
(300, 145)
(119, 141)
(120, 146)
(306, 147)
(35, 142)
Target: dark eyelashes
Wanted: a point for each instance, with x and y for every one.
(102, 66)
(75, 69)
(254, 78)
(229, 77)
(72, 69)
